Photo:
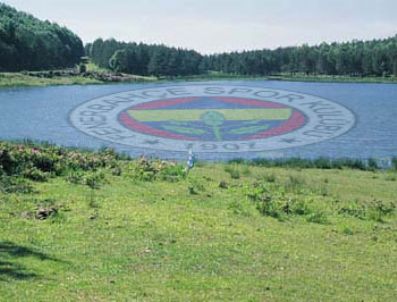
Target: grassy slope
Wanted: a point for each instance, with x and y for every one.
(155, 241)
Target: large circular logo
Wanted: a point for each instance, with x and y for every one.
(212, 118)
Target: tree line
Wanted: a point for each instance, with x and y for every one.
(356, 58)
(27, 43)
(143, 59)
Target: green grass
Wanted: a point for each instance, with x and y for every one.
(291, 77)
(95, 68)
(174, 238)
(334, 79)
(19, 79)
(22, 80)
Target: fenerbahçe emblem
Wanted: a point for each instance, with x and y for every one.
(212, 118)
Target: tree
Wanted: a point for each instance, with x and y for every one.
(377, 57)
(28, 43)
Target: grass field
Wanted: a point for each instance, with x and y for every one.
(20, 79)
(98, 76)
(107, 229)
(334, 79)
(293, 77)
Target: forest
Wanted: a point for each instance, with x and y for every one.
(143, 59)
(26, 43)
(355, 58)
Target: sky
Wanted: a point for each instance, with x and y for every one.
(213, 26)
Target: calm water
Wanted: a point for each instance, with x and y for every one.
(43, 114)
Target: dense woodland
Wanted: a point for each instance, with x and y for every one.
(143, 59)
(26, 43)
(356, 58)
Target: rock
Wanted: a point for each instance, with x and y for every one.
(45, 213)
(223, 185)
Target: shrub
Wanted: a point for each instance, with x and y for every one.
(233, 171)
(195, 187)
(82, 68)
(372, 164)
(172, 173)
(294, 183)
(300, 207)
(317, 217)
(269, 206)
(323, 163)
(117, 171)
(246, 170)
(376, 210)
(94, 180)
(8, 163)
(354, 209)
(270, 178)
(347, 231)
(75, 177)
(237, 208)
(10, 184)
(394, 163)
(15, 159)
(279, 205)
(35, 174)
(150, 170)
(380, 209)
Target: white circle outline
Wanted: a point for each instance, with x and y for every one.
(291, 139)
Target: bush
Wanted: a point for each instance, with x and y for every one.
(75, 177)
(172, 173)
(35, 174)
(294, 183)
(267, 205)
(94, 180)
(394, 163)
(372, 164)
(150, 170)
(300, 207)
(18, 159)
(317, 217)
(270, 178)
(9, 184)
(195, 187)
(8, 163)
(82, 68)
(271, 201)
(233, 171)
(246, 171)
(376, 210)
(380, 209)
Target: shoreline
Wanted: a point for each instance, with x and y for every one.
(319, 162)
(28, 79)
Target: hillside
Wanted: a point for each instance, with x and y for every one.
(99, 227)
(27, 43)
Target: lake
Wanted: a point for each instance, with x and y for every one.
(216, 120)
